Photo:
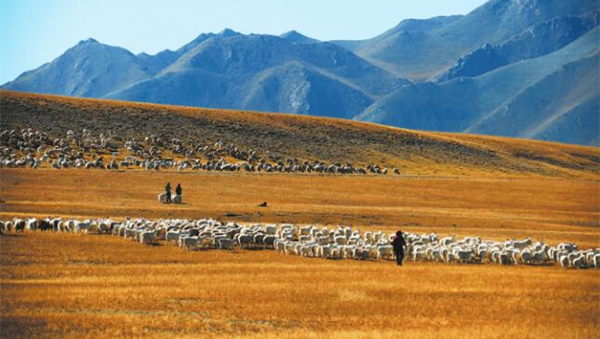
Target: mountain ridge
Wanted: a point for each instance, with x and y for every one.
(441, 73)
(233, 62)
(457, 104)
(420, 55)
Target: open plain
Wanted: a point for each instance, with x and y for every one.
(552, 210)
(78, 286)
(63, 285)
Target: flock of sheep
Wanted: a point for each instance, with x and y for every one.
(315, 242)
(35, 149)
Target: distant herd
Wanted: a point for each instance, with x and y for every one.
(311, 241)
(28, 148)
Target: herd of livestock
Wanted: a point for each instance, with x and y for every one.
(318, 242)
(34, 149)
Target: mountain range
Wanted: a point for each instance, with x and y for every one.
(521, 68)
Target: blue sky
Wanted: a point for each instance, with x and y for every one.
(33, 32)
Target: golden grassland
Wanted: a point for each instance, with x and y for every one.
(305, 137)
(549, 210)
(86, 286)
(96, 286)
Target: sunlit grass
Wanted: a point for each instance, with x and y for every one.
(69, 285)
(305, 137)
(548, 210)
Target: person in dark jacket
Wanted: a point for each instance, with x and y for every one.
(399, 245)
(168, 190)
(178, 189)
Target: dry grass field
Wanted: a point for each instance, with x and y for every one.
(78, 286)
(552, 210)
(98, 286)
(305, 137)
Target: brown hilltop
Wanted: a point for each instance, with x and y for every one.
(325, 139)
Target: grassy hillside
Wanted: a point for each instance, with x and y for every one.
(334, 140)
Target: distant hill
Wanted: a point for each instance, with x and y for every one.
(267, 73)
(310, 138)
(554, 97)
(422, 49)
(464, 73)
(291, 73)
(538, 40)
(89, 69)
(297, 38)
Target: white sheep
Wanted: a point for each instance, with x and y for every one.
(147, 237)
(162, 198)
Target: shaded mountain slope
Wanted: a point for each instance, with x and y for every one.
(537, 41)
(267, 73)
(222, 70)
(462, 104)
(421, 51)
(89, 69)
(568, 112)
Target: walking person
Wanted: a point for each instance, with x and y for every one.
(168, 189)
(399, 245)
(178, 198)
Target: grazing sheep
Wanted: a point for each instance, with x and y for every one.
(174, 235)
(596, 260)
(564, 261)
(147, 237)
(226, 244)
(73, 151)
(83, 226)
(162, 198)
(310, 241)
(520, 244)
(245, 240)
(32, 224)
(19, 225)
(8, 226)
(177, 199)
(190, 243)
(385, 252)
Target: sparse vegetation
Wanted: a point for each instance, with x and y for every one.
(549, 210)
(309, 138)
(77, 286)
(74, 286)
